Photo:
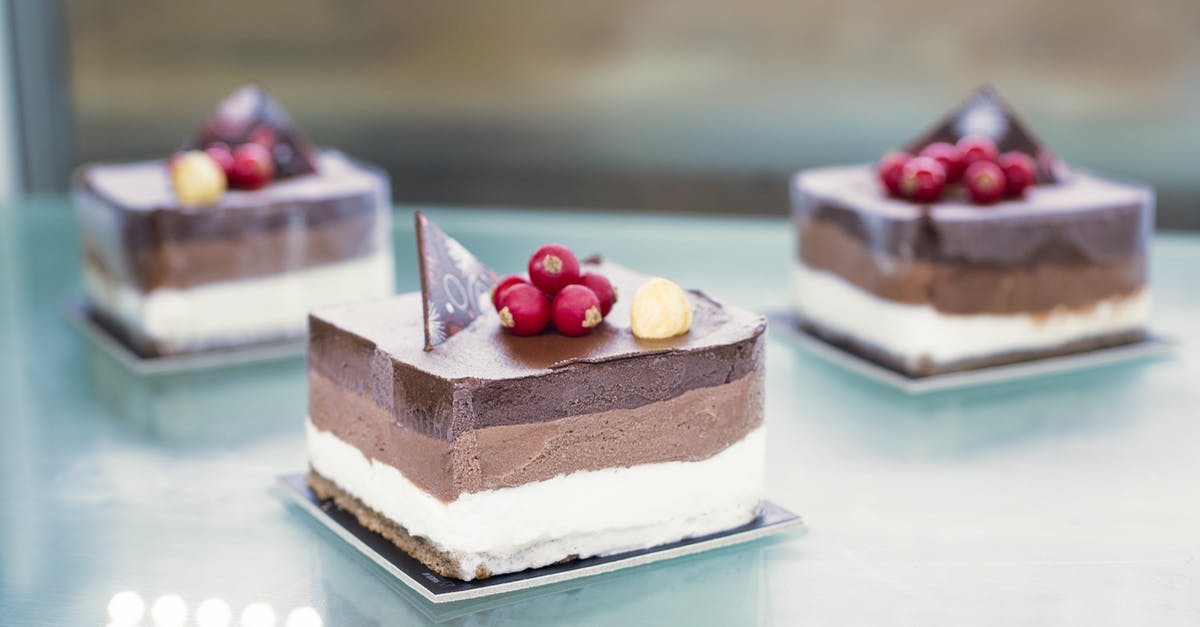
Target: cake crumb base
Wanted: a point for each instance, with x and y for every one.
(437, 560)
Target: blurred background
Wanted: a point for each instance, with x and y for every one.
(646, 105)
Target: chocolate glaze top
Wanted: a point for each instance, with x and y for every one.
(1083, 219)
(485, 351)
(146, 185)
(134, 228)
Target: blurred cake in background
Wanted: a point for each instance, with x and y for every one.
(974, 246)
(234, 239)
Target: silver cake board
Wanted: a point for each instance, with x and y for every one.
(784, 325)
(438, 589)
(79, 315)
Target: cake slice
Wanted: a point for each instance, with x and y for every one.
(933, 286)
(491, 453)
(170, 276)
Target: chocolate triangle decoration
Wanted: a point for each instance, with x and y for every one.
(985, 113)
(251, 114)
(455, 286)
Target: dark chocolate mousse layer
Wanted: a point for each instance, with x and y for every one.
(1069, 244)
(483, 377)
(134, 229)
(967, 288)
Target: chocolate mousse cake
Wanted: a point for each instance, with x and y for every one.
(171, 275)
(484, 452)
(975, 247)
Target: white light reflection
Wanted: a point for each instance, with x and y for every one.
(304, 617)
(214, 613)
(126, 608)
(169, 610)
(258, 614)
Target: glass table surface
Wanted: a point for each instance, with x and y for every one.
(1067, 500)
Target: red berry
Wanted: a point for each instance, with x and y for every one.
(977, 148)
(576, 311)
(553, 267)
(1019, 172)
(949, 156)
(503, 285)
(602, 288)
(220, 152)
(922, 180)
(525, 310)
(889, 169)
(985, 182)
(252, 166)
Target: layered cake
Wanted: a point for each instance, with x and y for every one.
(485, 446)
(234, 241)
(974, 246)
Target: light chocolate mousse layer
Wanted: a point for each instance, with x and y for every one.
(486, 410)
(135, 230)
(690, 427)
(1069, 244)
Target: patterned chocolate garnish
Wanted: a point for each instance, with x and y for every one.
(251, 114)
(454, 284)
(985, 113)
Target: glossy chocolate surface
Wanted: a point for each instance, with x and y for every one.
(1069, 243)
(484, 377)
(134, 228)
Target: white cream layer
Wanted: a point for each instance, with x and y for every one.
(230, 312)
(915, 332)
(585, 513)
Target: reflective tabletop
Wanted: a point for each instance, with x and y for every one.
(1066, 500)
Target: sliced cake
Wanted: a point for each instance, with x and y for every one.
(234, 244)
(975, 246)
(479, 451)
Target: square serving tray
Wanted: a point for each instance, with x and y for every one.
(80, 317)
(438, 589)
(784, 325)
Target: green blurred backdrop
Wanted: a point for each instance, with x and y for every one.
(643, 104)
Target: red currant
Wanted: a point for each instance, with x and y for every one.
(220, 152)
(1019, 172)
(576, 311)
(503, 285)
(949, 156)
(922, 180)
(889, 169)
(602, 288)
(977, 148)
(252, 166)
(985, 182)
(524, 310)
(553, 267)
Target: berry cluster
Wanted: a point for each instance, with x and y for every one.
(554, 293)
(973, 162)
(249, 165)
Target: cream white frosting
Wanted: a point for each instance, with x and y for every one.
(914, 332)
(585, 513)
(245, 310)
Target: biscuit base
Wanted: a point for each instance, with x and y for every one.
(420, 549)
